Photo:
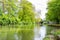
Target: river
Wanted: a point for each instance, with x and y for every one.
(27, 32)
(40, 33)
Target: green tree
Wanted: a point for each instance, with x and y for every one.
(53, 13)
(26, 13)
(8, 12)
(14, 12)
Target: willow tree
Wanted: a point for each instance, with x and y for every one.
(26, 13)
(53, 11)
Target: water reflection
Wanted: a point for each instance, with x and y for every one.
(42, 32)
(26, 32)
(39, 35)
(18, 33)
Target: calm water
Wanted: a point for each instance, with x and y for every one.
(44, 30)
(27, 32)
(40, 33)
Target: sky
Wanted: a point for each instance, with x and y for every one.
(40, 5)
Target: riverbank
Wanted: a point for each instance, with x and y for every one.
(53, 32)
(55, 25)
(54, 36)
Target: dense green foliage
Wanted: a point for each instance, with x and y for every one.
(27, 12)
(15, 12)
(53, 11)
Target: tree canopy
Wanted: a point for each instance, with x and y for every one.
(14, 12)
(53, 13)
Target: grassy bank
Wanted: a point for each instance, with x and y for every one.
(53, 33)
(55, 25)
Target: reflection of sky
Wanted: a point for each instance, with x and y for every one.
(40, 33)
(40, 5)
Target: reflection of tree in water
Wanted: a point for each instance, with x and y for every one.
(17, 33)
(27, 35)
